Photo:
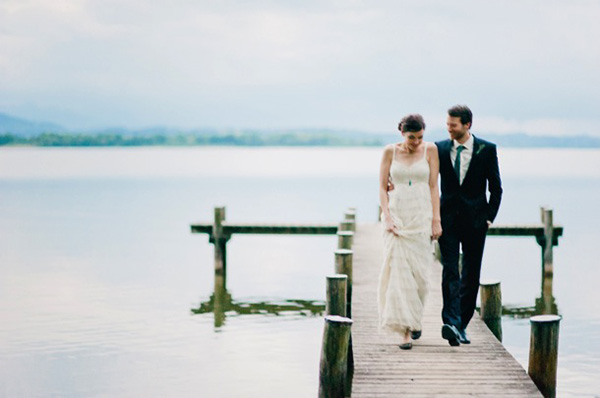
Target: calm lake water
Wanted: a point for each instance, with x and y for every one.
(99, 273)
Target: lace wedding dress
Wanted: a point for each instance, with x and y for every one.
(407, 258)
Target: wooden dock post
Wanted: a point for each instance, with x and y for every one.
(333, 372)
(543, 353)
(347, 225)
(343, 266)
(491, 306)
(345, 239)
(219, 239)
(336, 295)
(547, 255)
(350, 215)
(547, 240)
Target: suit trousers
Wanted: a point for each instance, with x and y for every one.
(459, 290)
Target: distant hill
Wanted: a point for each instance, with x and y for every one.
(25, 128)
(15, 131)
(529, 141)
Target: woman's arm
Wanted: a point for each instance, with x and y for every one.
(434, 171)
(384, 172)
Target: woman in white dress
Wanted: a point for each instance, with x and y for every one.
(410, 202)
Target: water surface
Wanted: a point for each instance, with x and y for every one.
(99, 273)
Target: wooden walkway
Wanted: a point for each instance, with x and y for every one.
(432, 368)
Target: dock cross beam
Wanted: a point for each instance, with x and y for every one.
(219, 232)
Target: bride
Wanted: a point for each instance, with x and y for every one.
(411, 216)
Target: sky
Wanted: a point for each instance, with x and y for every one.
(522, 66)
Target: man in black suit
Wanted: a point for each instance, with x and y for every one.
(468, 165)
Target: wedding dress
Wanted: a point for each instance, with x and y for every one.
(407, 258)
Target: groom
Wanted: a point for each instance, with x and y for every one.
(467, 166)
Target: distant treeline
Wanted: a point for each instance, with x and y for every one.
(83, 140)
(294, 138)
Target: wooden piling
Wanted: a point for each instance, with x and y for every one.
(345, 239)
(491, 306)
(343, 266)
(350, 215)
(547, 256)
(543, 353)
(336, 295)
(333, 374)
(347, 225)
(547, 241)
(220, 243)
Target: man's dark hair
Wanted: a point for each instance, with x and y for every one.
(463, 112)
(411, 123)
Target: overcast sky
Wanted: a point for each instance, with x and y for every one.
(522, 66)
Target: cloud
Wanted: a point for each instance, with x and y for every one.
(288, 64)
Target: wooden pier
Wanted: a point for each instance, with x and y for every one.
(432, 368)
(362, 362)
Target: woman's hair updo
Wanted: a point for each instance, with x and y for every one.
(411, 123)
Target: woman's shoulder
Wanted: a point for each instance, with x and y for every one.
(430, 147)
(389, 148)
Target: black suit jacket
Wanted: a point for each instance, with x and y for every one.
(469, 199)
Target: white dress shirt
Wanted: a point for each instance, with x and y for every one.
(465, 156)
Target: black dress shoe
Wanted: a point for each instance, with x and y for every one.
(463, 338)
(406, 346)
(415, 334)
(450, 333)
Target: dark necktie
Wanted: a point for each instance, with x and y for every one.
(457, 161)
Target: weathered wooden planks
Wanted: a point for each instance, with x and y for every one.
(432, 368)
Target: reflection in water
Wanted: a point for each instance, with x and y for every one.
(221, 303)
(544, 305)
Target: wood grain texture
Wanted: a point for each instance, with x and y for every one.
(432, 368)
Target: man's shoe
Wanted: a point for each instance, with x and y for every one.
(450, 333)
(463, 338)
(415, 334)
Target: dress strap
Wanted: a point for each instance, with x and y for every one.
(425, 151)
(394, 152)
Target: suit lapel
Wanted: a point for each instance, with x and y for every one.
(477, 147)
(447, 160)
(446, 155)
